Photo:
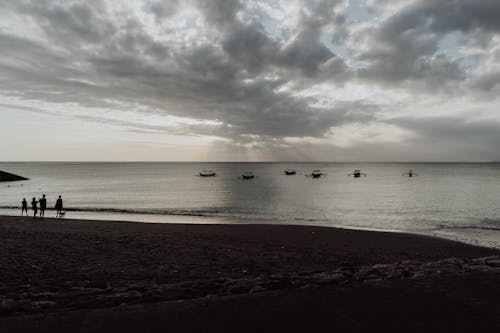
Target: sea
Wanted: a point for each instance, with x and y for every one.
(459, 201)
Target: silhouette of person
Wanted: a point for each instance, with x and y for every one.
(24, 207)
(43, 206)
(59, 206)
(34, 207)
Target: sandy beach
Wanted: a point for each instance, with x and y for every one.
(76, 275)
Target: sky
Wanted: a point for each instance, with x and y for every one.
(270, 80)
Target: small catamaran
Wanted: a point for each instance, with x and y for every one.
(289, 172)
(357, 173)
(207, 173)
(410, 173)
(316, 174)
(247, 175)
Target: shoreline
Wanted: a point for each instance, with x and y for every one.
(475, 237)
(61, 272)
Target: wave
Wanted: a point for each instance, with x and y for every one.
(482, 224)
(480, 227)
(183, 212)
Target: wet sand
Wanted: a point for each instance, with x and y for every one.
(75, 275)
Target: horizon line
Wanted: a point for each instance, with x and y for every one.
(75, 161)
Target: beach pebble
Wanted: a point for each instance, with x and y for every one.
(274, 284)
(240, 289)
(257, 289)
(335, 278)
(493, 262)
(98, 282)
(122, 306)
(478, 261)
(7, 305)
(42, 305)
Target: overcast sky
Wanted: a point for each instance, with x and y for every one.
(223, 80)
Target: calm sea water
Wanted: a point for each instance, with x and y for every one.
(454, 200)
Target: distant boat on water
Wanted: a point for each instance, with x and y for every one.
(289, 172)
(316, 174)
(357, 173)
(410, 173)
(247, 175)
(207, 173)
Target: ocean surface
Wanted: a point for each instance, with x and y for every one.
(453, 200)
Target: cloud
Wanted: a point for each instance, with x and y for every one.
(70, 22)
(453, 137)
(486, 77)
(404, 47)
(234, 79)
(252, 69)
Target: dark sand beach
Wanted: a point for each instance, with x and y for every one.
(95, 276)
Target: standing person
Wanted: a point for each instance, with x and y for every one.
(24, 204)
(59, 207)
(34, 207)
(43, 206)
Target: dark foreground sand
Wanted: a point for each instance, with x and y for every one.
(94, 276)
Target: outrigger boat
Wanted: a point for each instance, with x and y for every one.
(357, 174)
(247, 175)
(289, 172)
(207, 173)
(316, 174)
(410, 173)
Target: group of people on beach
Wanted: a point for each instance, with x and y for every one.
(43, 207)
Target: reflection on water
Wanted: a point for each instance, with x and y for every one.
(445, 197)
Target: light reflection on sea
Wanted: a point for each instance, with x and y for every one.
(454, 200)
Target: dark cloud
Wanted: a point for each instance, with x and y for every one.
(304, 55)
(462, 15)
(231, 69)
(112, 62)
(447, 15)
(70, 22)
(404, 48)
(219, 12)
(162, 10)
